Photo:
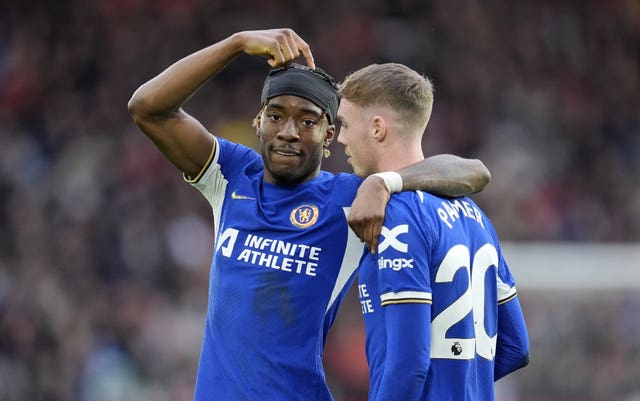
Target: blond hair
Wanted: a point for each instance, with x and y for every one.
(393, 85)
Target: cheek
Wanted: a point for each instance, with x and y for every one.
(318, 137)
(265, 134)
(355, 137)
(343, 135)
(346, 136)
(361, 151)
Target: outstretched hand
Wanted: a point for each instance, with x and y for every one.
(280, 46)
(368, 210)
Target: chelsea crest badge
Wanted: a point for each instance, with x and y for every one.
(304, 216)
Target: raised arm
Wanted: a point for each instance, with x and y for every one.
(156, 107)
(445, 175)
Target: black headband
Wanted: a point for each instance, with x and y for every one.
(298, 80)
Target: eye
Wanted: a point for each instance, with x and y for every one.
(274, 117)
(308, 123)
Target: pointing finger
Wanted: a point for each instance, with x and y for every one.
(306, 52)
(370, 239)
(376, 229)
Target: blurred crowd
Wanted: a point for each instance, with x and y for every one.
(104, 250)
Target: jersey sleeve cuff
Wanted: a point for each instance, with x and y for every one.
(405, 297)
(215, 149)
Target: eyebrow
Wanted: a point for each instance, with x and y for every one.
(303, 110)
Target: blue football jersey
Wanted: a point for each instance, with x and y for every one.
(284, 258)
(443, 252)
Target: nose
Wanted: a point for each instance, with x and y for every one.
(340, 138)
(289, 131)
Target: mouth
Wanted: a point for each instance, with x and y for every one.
(288, 152)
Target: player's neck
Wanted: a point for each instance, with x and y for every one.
(398, 157)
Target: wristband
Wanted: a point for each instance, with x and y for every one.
(392, 180)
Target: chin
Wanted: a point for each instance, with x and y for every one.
(359, 172)
(287, 177)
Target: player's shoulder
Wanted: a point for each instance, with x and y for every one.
(417, 198)
(237, 157)
(342, 187)
(233, 147)
(424, 206)
(346, 179)
(412, 205)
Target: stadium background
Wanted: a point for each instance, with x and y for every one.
(104, 250)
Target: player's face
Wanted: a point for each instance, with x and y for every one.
(292, 132)
(355, 135)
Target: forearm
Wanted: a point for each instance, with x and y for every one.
(446, 175)
(512, 348)
(168, 91)
(407, 354)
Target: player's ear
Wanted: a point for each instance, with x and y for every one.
(256, 124)
(330, 134)
(379, 128)
(257, 120)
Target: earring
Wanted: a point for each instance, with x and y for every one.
(326, 153)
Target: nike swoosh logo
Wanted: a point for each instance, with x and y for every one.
(234, 195)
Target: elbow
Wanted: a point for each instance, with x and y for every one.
(485, 174)
(520, 362)
(402, 384)
(522, 359)
(481, 179)
(415, 370)
(524, 355)
(142, 113)
(521, 353)
(503, 368)
(144, 105)
(138, 105)
(511, 358)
